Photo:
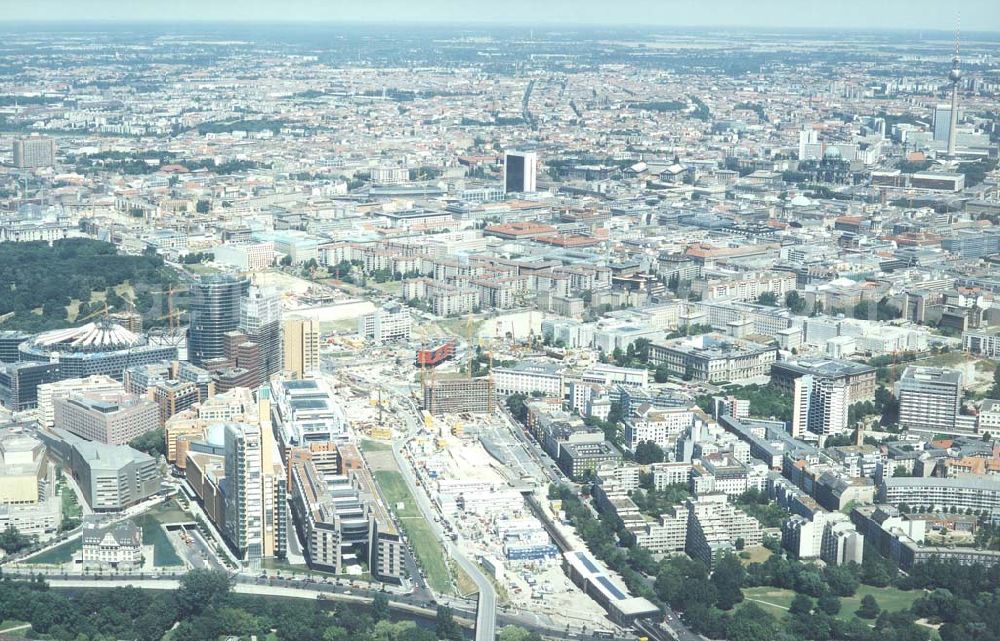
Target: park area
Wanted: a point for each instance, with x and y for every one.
(776, 601)
(399, 499)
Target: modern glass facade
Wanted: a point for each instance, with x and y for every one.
(214, 310)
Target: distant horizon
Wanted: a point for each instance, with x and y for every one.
(854, 15)
(549, 26)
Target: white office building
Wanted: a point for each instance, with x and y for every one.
(386, 324)
(929, 398)
(244, 505)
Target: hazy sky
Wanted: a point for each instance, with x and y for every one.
(866, 14)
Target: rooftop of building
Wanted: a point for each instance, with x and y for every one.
(713, 345)
(100, 456)
(983, 483)
(534, 367)
(932, 375)
(827, 367)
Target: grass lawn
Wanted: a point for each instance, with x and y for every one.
(284, 566)
(889, 599)
(11, 623)
(460, 326)
(777, 601)
(393, 287)
(19, 633)
(986, 366)
(58, 555)
(948, 359)
(463, 581)
(164, 554)
(425, 545)
(758, 554)
(368, 445)
(200, 269)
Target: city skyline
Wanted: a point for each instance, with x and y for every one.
(776, 14)
(560, 321)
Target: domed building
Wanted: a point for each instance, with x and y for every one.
(100, 347)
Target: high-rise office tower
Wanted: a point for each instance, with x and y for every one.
(35, 151)
(942, 122)
(215, 310)
(801, 396)
(809, 146)
(519, 170)
(244, 503)
(260, 320)
(274, 485)
(819, 405)
(301, 346)
(929, 398)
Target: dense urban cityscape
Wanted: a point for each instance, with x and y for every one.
(413, 332)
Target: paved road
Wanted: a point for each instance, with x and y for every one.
(300, 589)
(486, 611)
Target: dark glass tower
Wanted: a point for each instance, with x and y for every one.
(215, 310)
(514, 173)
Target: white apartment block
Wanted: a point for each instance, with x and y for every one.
(389, 175)
(386, 324)
(607, 375)
(49, 392)
(661, 426)
(666, 474)
(746, 286)
(248, 257)
(820, 405)
(982, 342)
(929, 398)
(527, 378)
(714, 525)
(989, 417)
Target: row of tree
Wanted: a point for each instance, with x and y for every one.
(204, 608)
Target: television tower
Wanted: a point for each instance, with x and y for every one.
(955, 75)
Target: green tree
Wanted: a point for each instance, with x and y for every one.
(12, 541)
(380, 606)
(727, 578)
(203, 206)
(445, 626)
(641, 346)
(751, 623)
(767, 298)
(336, 633)
(647, 452)
(829, 603)
(661, 374)
(869, 607)
(795, 302)
(801, 604)
(995, 389)
(515, 403)
(517, 633)
(202, 589)
(841, 580)
(152, 443)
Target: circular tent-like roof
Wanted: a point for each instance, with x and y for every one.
(100, 336)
